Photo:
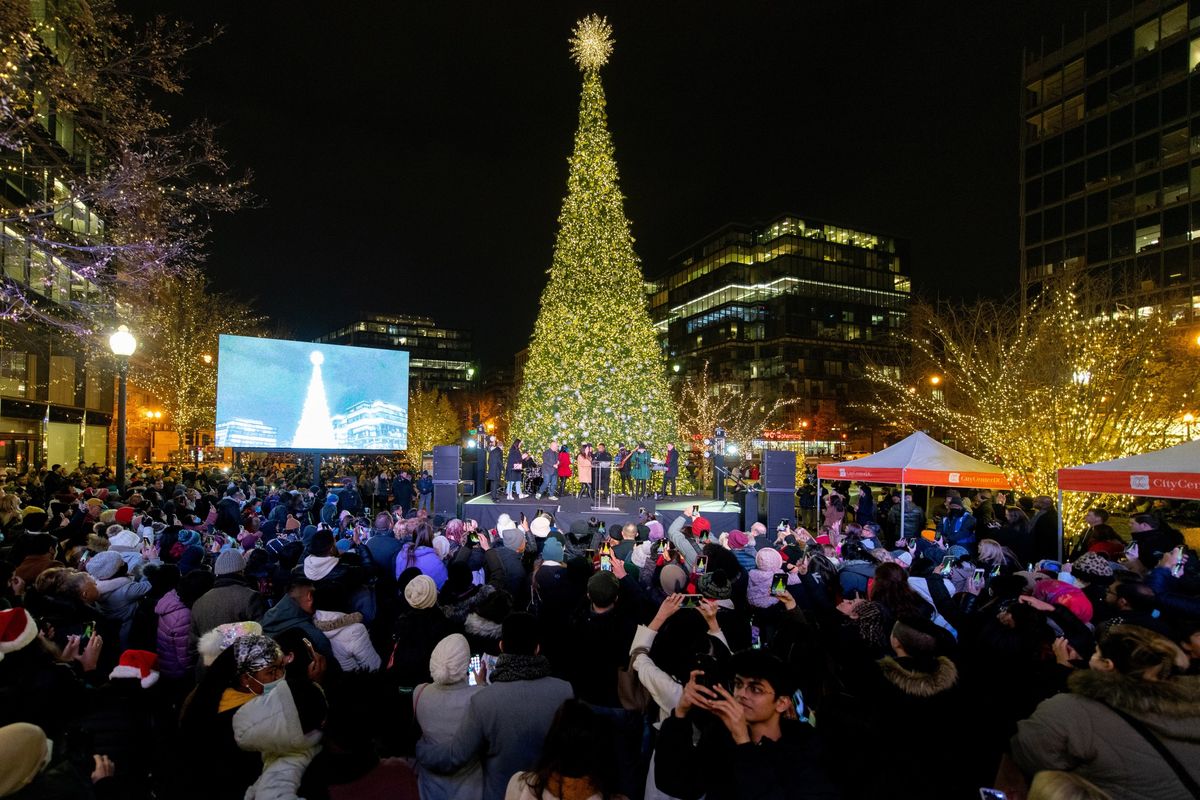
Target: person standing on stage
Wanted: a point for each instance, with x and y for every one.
(639, 469)
(564, 469)
(583, 470)
(603, 474)
(515, 468)
(495, 466)
(624, 455)
(671, 462)
(549, 472)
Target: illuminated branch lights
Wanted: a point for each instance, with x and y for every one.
(595, 371)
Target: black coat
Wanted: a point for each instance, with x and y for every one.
(514, 457)
(402, 492)
(495, 463)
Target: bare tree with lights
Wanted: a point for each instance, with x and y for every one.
(114, 197)
(1074, 379)
(704, 405)
(180, 320)
(595, 371)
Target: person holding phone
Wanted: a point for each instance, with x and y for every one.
(783, 754)
(438, 707)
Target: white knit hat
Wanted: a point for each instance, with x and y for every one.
(450, 659)
(421, 592)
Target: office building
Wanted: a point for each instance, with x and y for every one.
(1110, 156)
(246, 433)
(438, 358)
(56, 392)
(372, 425)
(793, 308)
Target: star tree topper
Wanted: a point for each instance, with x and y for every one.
(592, 43)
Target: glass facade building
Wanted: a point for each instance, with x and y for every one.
(56, 394)
(1110, 155)
(793, 308)
(438, 358)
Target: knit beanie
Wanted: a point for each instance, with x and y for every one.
(125, 542)
(124, 516)
(656, 530)
(421, 592)
(229, 563)
(512, 538)
(450, 660)
(17, 629)
(552, 551)
(768, 560)
(701, 525)
(1093, 568)
(26, 751)
(540, 527)
(672, 579)
(738, 540)
(640, 554)
(715, 585)
(441, 546)
(103, 566)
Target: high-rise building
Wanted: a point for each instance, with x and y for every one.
(438, 358)
(1110, 155)
(56, 394)
(793, 308)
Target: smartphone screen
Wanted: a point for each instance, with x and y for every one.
(591, 554)
(947, 565)
(783, 524)
(979, 575)
(705, 537)
(606, 563)
(473, 668)
(695, 510)
(701, 565)
(779, 583)
(1177, 570)
(691, 601)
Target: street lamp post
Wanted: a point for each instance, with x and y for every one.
(122, 345)
(1188, 419)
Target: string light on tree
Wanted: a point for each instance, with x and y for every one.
(594, 346)
(1075, 379)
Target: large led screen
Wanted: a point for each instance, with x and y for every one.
(280, 395)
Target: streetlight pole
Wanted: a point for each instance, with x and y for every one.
(1188, 419)
(122, 345)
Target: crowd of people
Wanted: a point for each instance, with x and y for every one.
(250, 634)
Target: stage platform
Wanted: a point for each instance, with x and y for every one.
(723, 516)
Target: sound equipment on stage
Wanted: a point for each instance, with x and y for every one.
(447, 466)
(474, 469)
(750, 503)
(779, 487)
(718, 468)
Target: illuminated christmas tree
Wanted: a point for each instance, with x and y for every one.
(595, 371)
(316, 427)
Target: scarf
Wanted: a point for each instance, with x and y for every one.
(234, 698)
(520, 668)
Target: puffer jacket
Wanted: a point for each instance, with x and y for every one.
(174, 623)
(1077, 732)
(270, 724)
(745, 556)
(350, 641)
(758, 588)
(119, 601)
(426, 560)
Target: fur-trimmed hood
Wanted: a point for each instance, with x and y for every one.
(1177, 698)
(478, 626)
(917, 682)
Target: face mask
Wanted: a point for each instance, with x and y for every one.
(267, 688)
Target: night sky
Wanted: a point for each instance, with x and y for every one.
(411, 156)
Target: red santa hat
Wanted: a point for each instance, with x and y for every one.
(138, 664)
(17, 629)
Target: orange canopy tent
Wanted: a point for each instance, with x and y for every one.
(918, 459)
(1173, 472)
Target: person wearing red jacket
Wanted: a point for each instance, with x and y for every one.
(564, 469)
